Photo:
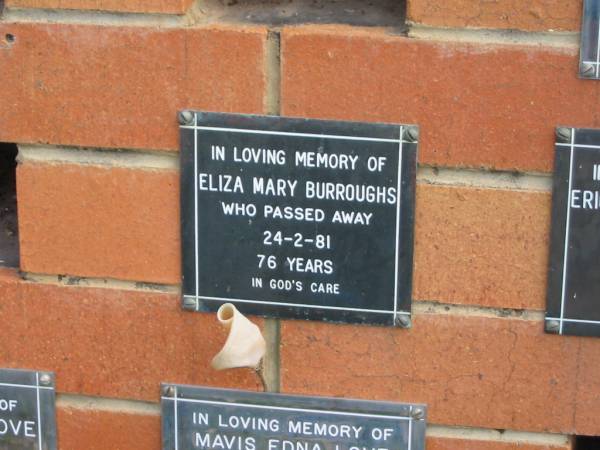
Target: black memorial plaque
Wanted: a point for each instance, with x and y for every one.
(207, 418)
(574, 277)
(298, 218)
(27, 412)
(589, 57)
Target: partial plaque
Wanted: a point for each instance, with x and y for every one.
(206, 418)
(27, 410)
(589, 57)
(574, 281)
(297, 218)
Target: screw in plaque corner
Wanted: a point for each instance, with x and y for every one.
(418, 413)
(563, 134)
(189, 304)
(587, 70)
(185, 117)
(411, 134)
(45, 379)
(552, 326)
(403, 321)
(168, 391)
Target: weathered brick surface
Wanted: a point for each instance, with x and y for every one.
(110, 342)
(436, 443)
(91, 429)
(532, 15)
(471, 370)
(135, 6)
(122, 86)
(588, 384)
(472, 246)
(481, 246)
(477, 104)
(99, 222)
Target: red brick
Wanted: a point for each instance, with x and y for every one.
(110, 342)
(532, 15)
(484, 247)
(471, 370)
(588, 387)
(122, 86)
(91, 429)
(99, 222)
(436, 443)
(477, 104)
(137, 6)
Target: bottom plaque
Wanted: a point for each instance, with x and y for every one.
(207, 418)
(27, 410)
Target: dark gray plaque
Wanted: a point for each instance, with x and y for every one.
(574, 281)
(206, 418)
(589, 57)
(27, 412)
(298, 218)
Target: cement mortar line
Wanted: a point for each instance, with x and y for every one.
(427, 307)
(99, 18)
(123, 158)
(507, 436)
(112, 405)
(163, 160)
(448, 176)
(195, 16)
(271, 373)
(419, 307)
(88, 403)
(568, 41)
(272, 94)
(102, 283)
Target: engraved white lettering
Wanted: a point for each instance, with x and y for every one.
(585, 199)
(310, 265)
(352, 217)
(275, 187)
(325, 288)
(224, 442)
(276, 444)
(330, 430)
(220, 183)
(290, 213)
(326, 160)
(360, 193)
(265, 156)
(17, 427)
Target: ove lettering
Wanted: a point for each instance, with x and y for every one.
(15, 427)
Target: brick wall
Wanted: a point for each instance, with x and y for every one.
(89, 91)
